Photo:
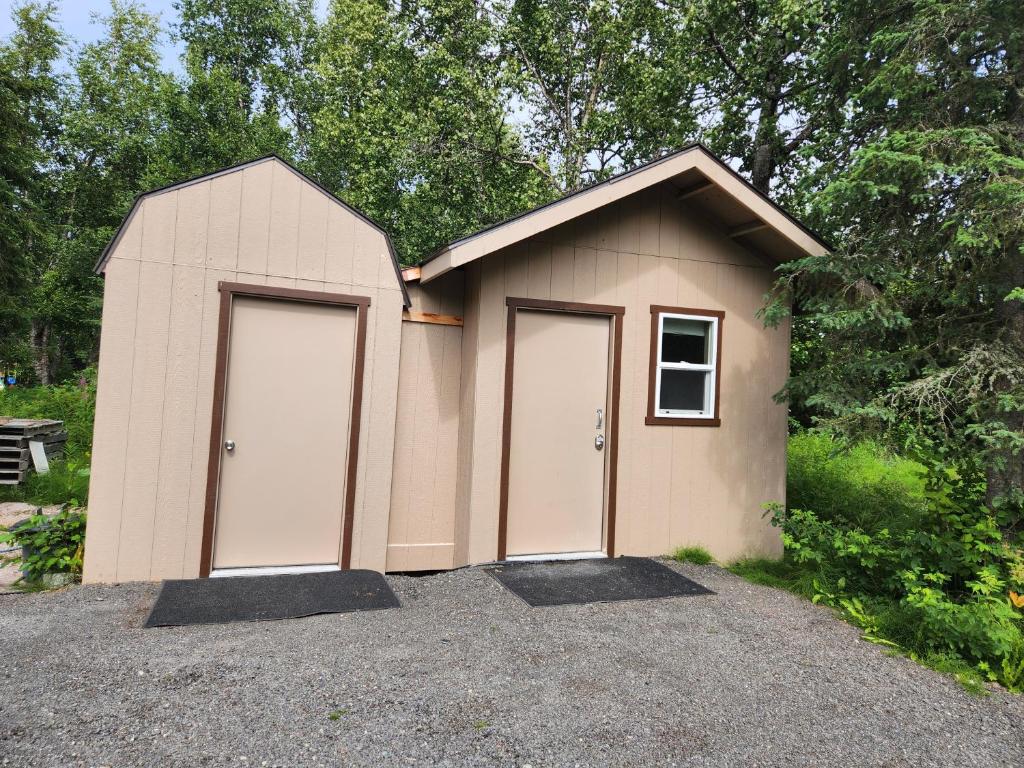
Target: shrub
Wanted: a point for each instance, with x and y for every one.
(695, 555)
(49, 543)
(905, 550)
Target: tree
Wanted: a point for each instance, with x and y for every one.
(773, 79)
(247, 69)
(599, 81)
(921, 302)
(97, 134)
(31, 94)
(411, 125)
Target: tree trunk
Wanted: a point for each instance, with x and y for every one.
(39, 338)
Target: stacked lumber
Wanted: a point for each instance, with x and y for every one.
(16, 437)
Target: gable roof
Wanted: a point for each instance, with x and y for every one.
(105, 256)
(731, 203)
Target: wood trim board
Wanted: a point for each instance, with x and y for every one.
(228, 291)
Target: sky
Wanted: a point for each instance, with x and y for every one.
(75, 17)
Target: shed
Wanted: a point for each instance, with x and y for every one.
(587, 379)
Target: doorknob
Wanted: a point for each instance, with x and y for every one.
(599, 442)
(229, 445)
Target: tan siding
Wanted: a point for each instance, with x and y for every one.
(144, 428)
(113, 408)
(421, 533)
(677, 485)
(178, 427)
(254, 221)
(341, 227)
(191, 224)
(313, 219)
(262, 225)
(225, 218)
(285, 213)
(467, 413)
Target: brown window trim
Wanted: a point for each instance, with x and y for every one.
(229, 290)
(669, 421)
(615, 314)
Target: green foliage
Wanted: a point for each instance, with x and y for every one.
(913, 328)
(860, 484)
(74, 403)
(67, 482)
(50, 544)
(931, 579)
(695, 555)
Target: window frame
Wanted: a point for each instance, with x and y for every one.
(685, 418)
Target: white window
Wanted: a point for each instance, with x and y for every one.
(686, 366)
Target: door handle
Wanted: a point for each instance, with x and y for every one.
(229, 445)
(600, 418)
(599, 442)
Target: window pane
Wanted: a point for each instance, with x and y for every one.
(685, 341)
(683, 390)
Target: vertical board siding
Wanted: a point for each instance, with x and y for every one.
(263, 225)
(177, 430)
(254, 218)
(138, 506)
(225, 221)
(677, 485)
(421, 533)
(113, 401)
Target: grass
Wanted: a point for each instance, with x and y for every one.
(67, 482)
(780, 574)
(695, 555)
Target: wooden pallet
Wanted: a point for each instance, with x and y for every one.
(29, 427)
(15, 452)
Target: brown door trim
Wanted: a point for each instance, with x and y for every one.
(228, 291)
(615, 314)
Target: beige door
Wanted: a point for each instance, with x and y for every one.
(286, 427)
(556, 470)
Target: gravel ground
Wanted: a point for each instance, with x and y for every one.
(466, 674)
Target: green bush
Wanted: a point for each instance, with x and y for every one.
(49, 543)
(907, 551)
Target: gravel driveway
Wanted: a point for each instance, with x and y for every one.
(466, 674)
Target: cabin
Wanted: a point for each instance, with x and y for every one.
(588, 379)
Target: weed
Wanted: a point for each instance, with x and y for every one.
(695, 555)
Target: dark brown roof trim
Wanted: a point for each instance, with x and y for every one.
(104, 257)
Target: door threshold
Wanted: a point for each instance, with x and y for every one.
(272, 570)
(556, 556)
